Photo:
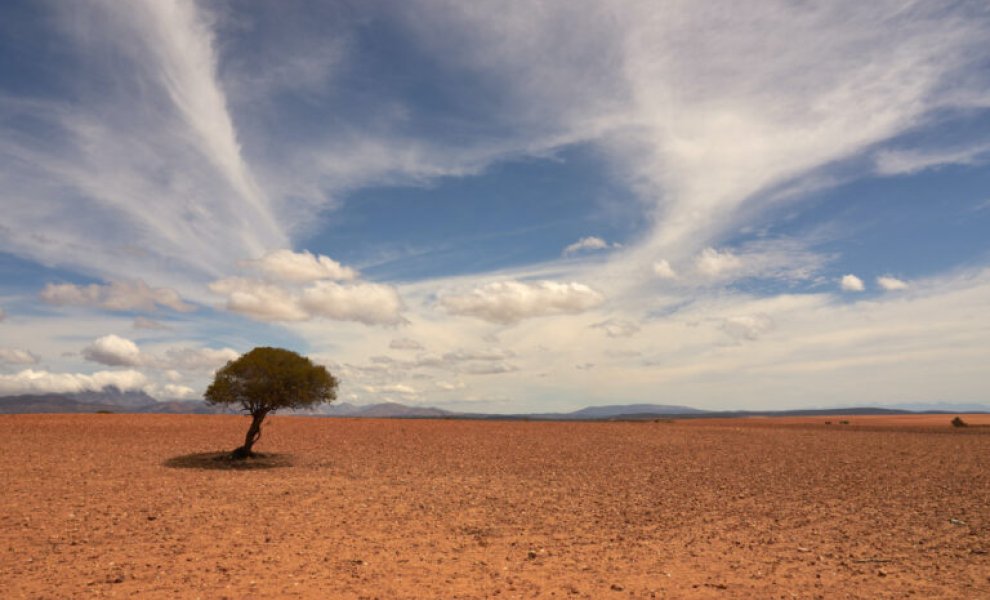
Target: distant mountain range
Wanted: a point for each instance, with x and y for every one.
(113, 400)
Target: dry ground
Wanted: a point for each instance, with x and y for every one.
(121, 506)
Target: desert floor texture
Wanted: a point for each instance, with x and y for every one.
(130, 506)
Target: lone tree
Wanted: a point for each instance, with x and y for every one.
(265, 380)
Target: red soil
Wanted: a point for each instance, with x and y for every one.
(114, 506)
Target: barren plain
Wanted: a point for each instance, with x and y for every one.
(131, 506)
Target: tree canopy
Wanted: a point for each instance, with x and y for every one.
(268, 379)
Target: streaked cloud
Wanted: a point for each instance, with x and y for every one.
(150, 324)
(404, 344)
(907, 162)
(586, 244)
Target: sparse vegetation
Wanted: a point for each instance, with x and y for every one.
(268, 379)
(958, 422)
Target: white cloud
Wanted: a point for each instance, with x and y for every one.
(368, 303)
(398, 388)
(748, 327)
(663, 270)
(508, 302)
(712, 263)
(492, 368)
(30, 381)
(493, 354)
(259, 300)
(16, 356)
(449, 386)
(195, 359)
(114, 351)
(405, 344)
(891, 284)
(617, 328)
(146, 323)
(284, 297)
(906, 162)
(116, 296)
(178, 392)
(851, 283)
(301, 267)
(589, 243)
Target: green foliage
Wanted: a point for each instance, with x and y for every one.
(267, 379)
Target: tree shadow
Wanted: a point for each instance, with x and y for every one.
(223, 461)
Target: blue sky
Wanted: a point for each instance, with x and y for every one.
(497, 206)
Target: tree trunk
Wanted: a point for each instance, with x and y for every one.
(253, 435)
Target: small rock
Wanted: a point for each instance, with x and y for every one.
(617, 588)
(531, 554)
(957, 522)
(881, 572)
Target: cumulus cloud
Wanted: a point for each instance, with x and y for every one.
(30, 381)
(712, 263)
(405, 344)
(301, 267)
(747, 327)
(16, 356)
(851, 283)
(616, 328)
(663, 270)
(179, 392)
(368, 303)
(114, 351)
(508, 302)
(116, 296)
(301, 286)
(587, 244)
(891, 284)
(259, 300)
